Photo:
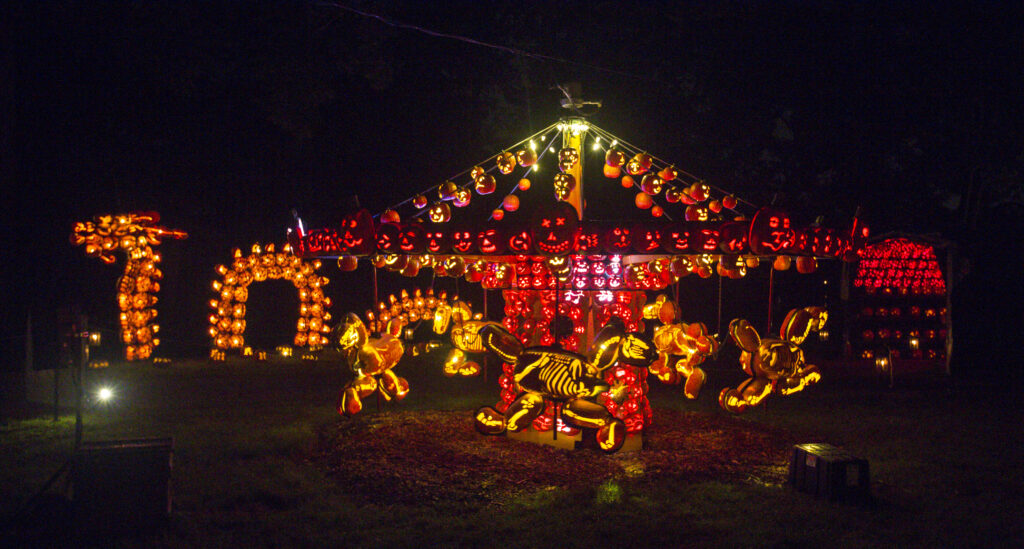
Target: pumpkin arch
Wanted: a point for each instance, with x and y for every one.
(227, 322)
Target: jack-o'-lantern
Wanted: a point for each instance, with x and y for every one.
(639, 164)
(681, 266)
(646, 239)
(462, 197)
(521, 241)
(614, 158)
(568, 158)
(696, 213)
(454, 266)
(463, 241)
(732, 267)
(485, 184)
(651, 184)
(410, 238)
(589, 239)
(437, 240)
(699, 191)
(729, 202)
(446, 191)
(673, 195)
(476, 172)
(490, 241)
(733, 237)
(669, 173)
(554, 230)
(387, 238)
(618, 240)
(506, 162)
(715, 206)
(806, 265)
(676, 238)
(564, 184)
(560, 267)
(770, 232)
(526, 157)
(419, 201)
(704, 237)
(440, 212)
(390, 216)
(357, 236)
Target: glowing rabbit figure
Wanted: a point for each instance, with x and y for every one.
(774, 365)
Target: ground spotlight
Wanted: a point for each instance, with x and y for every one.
(104, 394)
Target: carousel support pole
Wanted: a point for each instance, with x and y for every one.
(719, 330)
(486, 355)
(771, 289)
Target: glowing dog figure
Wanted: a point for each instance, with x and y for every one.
(465, 336)
(681, 347)
(552, 373)
(775, 365)
(371, 361)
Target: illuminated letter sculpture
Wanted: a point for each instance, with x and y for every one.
(565, 377)
(775, 365)
(136, 234)
(227, 323)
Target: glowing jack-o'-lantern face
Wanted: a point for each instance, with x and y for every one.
(733, 237)
(462, 197)
(440, 213)
(646, 239)
(506, 162)
(554, 232)
(490, 241)
(676, 238)
(410, 238)
(589, 239)
(564, 184)
(704, 237)
(618, 240)
(568, 158)
(463, 241)
(521, 241)
(770, 232)
(357, 235)
(437, 240)
(387, 238)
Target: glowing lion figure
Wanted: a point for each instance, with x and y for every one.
(371, 361)
(681, 347)
(465, 336)
(563, 376)
(775, 365)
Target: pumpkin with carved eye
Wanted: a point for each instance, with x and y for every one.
(348, 263)
(554, 230)
(618, 240)
(476, 172)
(357, 235)
(771, 232)
(651, 184)
(614, 158)
(387, 238)
(485, 184)
(568, 158)
(437, 240)
(704, 237)
(639, 164)
(446, 191)
(673, 195)
(696, 213)
(440, 212)
(733, 237)
(462, 197)
(410, 238)
(454, 266)
(506, 162)
(419, 201)
(490, 241)
(521, 241)
(699, 191)
(676, 238)
(526, 157)
(669, 173)
(588, 240)
(646, 239)
(564, 185)
(463, 241)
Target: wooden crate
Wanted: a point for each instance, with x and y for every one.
(828, 472)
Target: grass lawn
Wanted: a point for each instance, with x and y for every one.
(262, 459)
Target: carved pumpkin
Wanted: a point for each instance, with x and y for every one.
(676, 238)
(589, 239)
(651, 184)
(704, 237)
(476, 172)
(410, 239)
(673, 194)
(463, 241)
(506, 162)
(806, 265)
(554, 230)
(348, 263)
(669, 173)
(526, 157)
(419, 201)
(387, 237)
(390, 216)
(357, 235)
(614, 158)
(564, 184)
(440, 212)
(490, 241)
(782, 263)
(568, 158)
(521, 241)
(618, 240)
(646, 239)
(462, 197)
(437, 240)
(446, 191)
(733, 237)
(729, 202)
(770, 232)
(485, 184)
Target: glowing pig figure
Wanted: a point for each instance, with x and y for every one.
(370, 358)
(775, 365)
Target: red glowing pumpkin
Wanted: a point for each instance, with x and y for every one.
(554, 230)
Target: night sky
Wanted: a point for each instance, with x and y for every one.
(225, 116)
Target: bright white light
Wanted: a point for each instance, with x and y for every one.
(552, 149)
(105, 394)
